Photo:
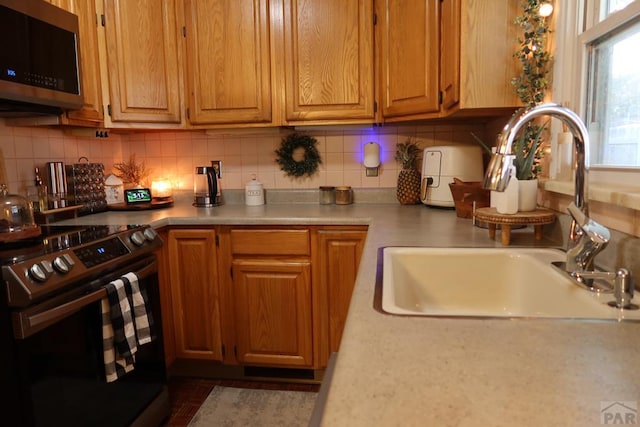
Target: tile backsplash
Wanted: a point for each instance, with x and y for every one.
(174, 155)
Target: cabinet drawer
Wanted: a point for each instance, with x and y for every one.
(270, 242)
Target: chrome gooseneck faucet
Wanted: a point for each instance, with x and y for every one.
(587, 238)
(497, 176)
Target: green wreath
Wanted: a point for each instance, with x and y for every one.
(298, 155)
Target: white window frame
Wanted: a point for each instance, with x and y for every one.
(576, 25)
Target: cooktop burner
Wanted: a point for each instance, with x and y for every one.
(53, 239)
(65, 256)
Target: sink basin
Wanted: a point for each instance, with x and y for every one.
(487, 282)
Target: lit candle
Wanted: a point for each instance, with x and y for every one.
(161, 189)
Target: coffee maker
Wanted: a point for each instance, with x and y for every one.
(206, 186)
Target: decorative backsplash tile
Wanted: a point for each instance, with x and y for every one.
(174, 155)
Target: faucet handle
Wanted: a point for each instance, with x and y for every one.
(576, 213)
(597, 233)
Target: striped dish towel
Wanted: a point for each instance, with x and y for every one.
(126, 323)
(142, 317)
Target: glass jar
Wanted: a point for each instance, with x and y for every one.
(344, 195)
(327, 195)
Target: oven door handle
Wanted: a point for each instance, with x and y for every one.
(30, 321)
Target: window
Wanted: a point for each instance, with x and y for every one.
(613, 83)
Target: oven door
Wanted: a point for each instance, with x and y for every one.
(58, 362)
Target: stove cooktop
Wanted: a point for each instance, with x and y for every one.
(55, 238)
(62, 256)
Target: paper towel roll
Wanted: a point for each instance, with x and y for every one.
(371, 155)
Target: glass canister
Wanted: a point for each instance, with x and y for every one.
(344, 195)
(327, 195)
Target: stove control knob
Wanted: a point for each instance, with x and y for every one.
(63, 264)
(150, 234)
(138, 238)
(41, 271)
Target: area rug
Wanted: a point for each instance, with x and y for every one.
(231, 407)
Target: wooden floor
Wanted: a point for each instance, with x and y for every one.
(187, 394)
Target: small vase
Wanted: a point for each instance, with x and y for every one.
(528, 195)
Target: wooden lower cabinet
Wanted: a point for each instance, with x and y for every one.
(336, 261)
(273, 312)
(193, 275)
(258, 296)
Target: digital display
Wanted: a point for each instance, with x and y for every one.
(137, 195)
(100, 252)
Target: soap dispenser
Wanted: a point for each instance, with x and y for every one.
(507, 202)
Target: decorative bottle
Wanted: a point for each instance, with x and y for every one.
(41, 190)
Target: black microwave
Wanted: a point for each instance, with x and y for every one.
(39, 59)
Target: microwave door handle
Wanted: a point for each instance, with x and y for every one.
(27, 323)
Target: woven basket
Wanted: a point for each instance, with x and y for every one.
(465, 193)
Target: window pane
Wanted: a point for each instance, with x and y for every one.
(614, 98)
(613, 5)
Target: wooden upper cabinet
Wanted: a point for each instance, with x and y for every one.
(228, 61)
(142, 61)
(91, 111)
(450, 62)
(409, 34)
(329, 61)
(478, 78)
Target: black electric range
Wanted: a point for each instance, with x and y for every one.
(61, 256)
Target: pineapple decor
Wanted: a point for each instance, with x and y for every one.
(408, 190)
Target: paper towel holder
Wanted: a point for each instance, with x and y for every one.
(371, 158)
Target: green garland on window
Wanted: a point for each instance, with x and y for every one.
(310, 161)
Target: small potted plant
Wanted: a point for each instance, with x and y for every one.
(408, 189)
(132, 173)
(531, 87)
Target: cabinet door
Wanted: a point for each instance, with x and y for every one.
(228, 61)
(450, 59)
(474, 78)
(328, 60)
(142, 61)
(409, 56)
(338, 260)
(194, 294)
(91, 111)
(273, 312)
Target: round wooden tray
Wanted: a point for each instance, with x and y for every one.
(27, 233)
(537, 218)
(154, 204)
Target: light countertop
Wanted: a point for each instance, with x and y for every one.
(413, 371)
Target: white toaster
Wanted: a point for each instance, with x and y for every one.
(441, 164)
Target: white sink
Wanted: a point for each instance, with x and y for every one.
(487, 282)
